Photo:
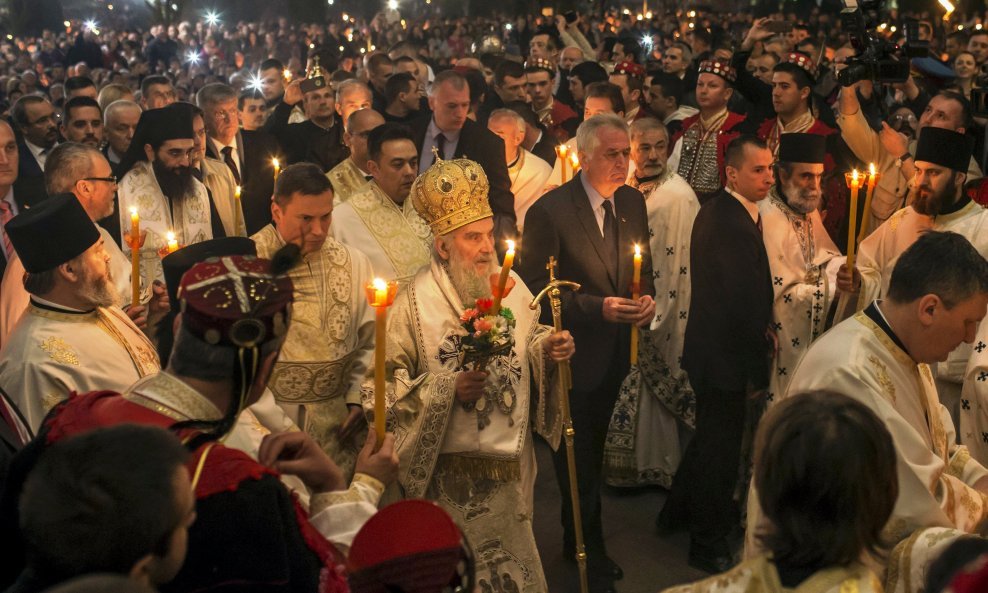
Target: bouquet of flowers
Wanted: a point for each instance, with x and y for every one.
(489, 333)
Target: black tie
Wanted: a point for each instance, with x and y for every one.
(758, 223)
(440, 145)
(228, 159)
(610, 233)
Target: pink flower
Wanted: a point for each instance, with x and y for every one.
(468, 315)
(482, 325)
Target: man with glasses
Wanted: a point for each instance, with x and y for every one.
(247, 153)
(34, 117)
(351, 175)
(159, 185)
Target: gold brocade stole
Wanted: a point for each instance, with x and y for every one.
(404, 239)
(346, 179)
(139, 348)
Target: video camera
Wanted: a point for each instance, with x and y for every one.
(877, 59)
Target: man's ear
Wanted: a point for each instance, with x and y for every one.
(149, 152)
(70, 271)
(441, 248)
(373, 168)
(926, 308)
(142, 569)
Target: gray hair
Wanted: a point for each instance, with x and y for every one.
(509, 114)
(451, 77)
(586, 134)
(66, 164)
(215, 92)
(647, 124)
(350, 85)
(119, 105)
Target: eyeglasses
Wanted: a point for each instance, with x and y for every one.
(111, 179)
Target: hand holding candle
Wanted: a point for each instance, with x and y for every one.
(380, 295)
(635, 293)
(509, 259)
(561, 154)
(852, 217)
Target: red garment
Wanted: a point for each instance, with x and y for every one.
(561, 113)
(224, 470)
(727, 132)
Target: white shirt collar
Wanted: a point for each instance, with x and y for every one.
(751, 207)
(36, 150)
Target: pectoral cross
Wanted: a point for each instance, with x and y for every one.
(551, 266)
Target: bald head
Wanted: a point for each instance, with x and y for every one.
(120, 123)
(358, 126)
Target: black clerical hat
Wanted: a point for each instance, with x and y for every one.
(797, 147)
(176, 264)
(51, 233)
(156, 126)
(946, 148)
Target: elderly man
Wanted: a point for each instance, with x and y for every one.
(801, 255)
(528, 172)
(80, 170)
(643, 444)
(379, 220)
(157, 92)
(453, 135)
(937, 295)
(578, 225)
(82, 121)
(73, 336)
(352, 95)
(464, 435)
(246, 153)
(351, 176)
(119, 124)
(331, 338)
(317, 140)
(942, 157)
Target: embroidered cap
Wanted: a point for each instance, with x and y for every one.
(630, 68)
(803, 61)
(176, 264)
(542, 63)
(451, 194)
(946, 148)
(798, 147)
(235, 301)
(411, 546)
(51, 233)
(722, 69)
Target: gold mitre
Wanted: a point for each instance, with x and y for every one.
(451, 194)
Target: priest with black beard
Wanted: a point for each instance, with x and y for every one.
(939, 203)
(159, 185)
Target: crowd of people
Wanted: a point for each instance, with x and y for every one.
(776, 275)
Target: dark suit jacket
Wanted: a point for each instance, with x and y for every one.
(257, 148)
(545, 149)
(29, 189)
(561, 224)
(731, 301)
(479, 144)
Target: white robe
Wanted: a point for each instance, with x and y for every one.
(53, 353)
(804, 261)
(395, 238)
(14, 299)
(935, 475)
(652, 419)
(528, 177)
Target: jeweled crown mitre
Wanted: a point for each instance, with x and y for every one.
(451, 194)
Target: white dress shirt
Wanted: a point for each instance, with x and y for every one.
(751, 207)
(597, 202)
(40, 154)
(234, 154)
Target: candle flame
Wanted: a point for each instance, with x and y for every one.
(275, 163)
(871, 168)
(287, 74)
(238, 191)
(854, 174)
(948, 6)
(638, 250)
(379, 284)
(511, 246)
(562, 150)
(133, 211)
(170, 236)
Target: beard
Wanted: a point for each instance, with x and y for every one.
(98, 289)
(931, 203)
(176, 183)
(469, 283)
(803, 201)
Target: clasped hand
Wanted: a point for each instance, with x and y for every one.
(621, 310)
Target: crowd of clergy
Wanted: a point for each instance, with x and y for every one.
(761, 300)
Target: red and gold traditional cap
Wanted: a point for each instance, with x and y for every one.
(803, 61)
(630, 68)
(235, 301)
(411, 546)
(543, 63)
(722, 69)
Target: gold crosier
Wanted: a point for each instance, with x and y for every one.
(553, 290)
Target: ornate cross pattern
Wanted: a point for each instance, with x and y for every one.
(672, 294)
(238, 278)
(965, 404)
(670, 250)
(778, 281)
(795, 342)
(980, 347)
(982, 376)
(787, 298)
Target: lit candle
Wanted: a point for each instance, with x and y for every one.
(277, 168)
(135, 258)
(561, 151)
(287, 74)
(380, 295)
(238, 211)
(574, 160)
(852, 220)
(172, 242)
(502, 281)
(866, 215)
(635, 293)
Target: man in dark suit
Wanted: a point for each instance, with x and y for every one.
(448, 129)
(247, 154)
(590, 225)
(34, 117)
(9, 205)
(319, 139)
(726, 353)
